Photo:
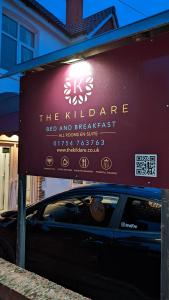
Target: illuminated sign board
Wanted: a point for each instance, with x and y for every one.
(102, 119)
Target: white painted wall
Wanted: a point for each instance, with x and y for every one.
(55, 185)
(48, 39)
(9, 84)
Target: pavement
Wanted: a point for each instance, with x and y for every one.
(19, 284)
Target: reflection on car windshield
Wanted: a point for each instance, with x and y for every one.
(90, 210)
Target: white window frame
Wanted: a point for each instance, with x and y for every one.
(17, 39)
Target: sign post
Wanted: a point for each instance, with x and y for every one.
(165, 246)
(21, 228)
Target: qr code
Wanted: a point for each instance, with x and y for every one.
(146, 165)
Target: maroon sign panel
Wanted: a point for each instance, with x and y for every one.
(103, 119)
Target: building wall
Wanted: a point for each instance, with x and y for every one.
(53, 186)
(47, 39)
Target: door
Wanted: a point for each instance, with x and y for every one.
(137, 245)
(68, 239)
(4, 177)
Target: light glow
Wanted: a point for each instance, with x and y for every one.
(80, 69)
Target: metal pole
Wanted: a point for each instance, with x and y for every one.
(21, 223)
(165, 246)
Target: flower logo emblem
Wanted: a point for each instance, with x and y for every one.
(77, 91)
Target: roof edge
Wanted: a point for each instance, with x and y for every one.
(42, 11)
(100, 25)
(95, 45)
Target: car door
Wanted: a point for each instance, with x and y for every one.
(49, 240)
(67, 244)
(136, 251)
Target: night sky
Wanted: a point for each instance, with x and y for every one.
(127, 11)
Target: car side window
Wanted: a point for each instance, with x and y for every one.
(89, 210)
(98, 211)
(140, 214)
(61, 211)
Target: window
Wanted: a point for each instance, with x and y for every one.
(18, 43)
(91, 210)
(141, 214)
(26, 54)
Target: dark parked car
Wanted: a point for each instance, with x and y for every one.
(101, 240)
